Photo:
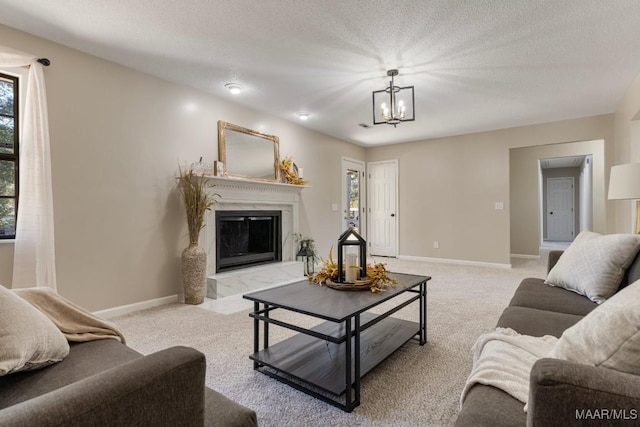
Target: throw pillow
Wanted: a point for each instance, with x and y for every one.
(28, 339)
(609, 336)
(594, 264)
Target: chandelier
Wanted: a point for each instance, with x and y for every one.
(394, 104)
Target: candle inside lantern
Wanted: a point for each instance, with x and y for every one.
(351, 273)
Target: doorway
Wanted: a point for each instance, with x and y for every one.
(353, 191)
(566, 190)
(527, 192)
(383, 208)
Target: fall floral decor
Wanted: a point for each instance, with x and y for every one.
(290, 172)
(377, 279)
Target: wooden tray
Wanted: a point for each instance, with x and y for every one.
(360, 285)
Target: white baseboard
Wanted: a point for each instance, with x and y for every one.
(525, 256)
(130, 308)
(454, 261)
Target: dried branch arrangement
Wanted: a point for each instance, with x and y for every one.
(377, 279)
(379, 276)
(197, 200)
(291, 175)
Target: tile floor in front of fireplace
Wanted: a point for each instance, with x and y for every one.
(226, 305)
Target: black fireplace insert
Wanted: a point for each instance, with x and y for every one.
(247, 238)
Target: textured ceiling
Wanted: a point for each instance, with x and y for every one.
(476, 65)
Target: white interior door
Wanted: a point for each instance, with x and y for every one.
(560, 217)
(383, 207)
(353, 191)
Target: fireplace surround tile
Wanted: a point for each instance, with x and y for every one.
(241, 195)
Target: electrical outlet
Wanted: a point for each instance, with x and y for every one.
(436, 244)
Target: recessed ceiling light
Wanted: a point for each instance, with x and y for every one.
(302, 115)
(234, 88)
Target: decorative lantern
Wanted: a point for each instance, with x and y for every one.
(306, 255)
(354, 271)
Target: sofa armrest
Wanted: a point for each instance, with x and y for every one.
(571, 394)
(554, 256)
(164, 388)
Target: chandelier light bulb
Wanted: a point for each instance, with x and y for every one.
(385, 111)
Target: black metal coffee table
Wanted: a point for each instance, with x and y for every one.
(328, 360)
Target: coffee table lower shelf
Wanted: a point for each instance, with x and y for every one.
(321, 363)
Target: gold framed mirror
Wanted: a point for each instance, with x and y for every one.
(247, 153)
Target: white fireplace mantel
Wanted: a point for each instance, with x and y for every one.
(241, 194)
(245, 189)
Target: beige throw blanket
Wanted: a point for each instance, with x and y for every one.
(503, 359)
(77, 324)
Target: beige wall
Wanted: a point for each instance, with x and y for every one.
(448, 187)
(627, 134)
(524, 191)
(117, 136)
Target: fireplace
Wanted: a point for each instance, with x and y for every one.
(245, 238)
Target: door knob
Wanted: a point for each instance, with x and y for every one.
(550, 213)
(392, 215)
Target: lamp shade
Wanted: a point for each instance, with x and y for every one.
(624, 182)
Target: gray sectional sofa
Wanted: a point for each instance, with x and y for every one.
(559, 391)
(105, 383)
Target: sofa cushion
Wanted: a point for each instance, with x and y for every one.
(537, 323)
(559, 391)
(607, 337)
(534, 293)
(28, 339)
(84, 359)
(594, 264)
(489, 406)
(631, 275)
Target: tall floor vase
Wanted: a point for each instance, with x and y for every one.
(194, 274)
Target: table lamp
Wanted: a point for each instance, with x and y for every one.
(624, 184)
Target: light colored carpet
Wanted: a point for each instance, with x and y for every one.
(416, 386)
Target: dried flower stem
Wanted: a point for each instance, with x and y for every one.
(376, 273)
(197, 200)
(290, 176)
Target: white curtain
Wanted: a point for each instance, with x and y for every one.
(34, 254)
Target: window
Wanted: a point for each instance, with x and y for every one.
(8, 155)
